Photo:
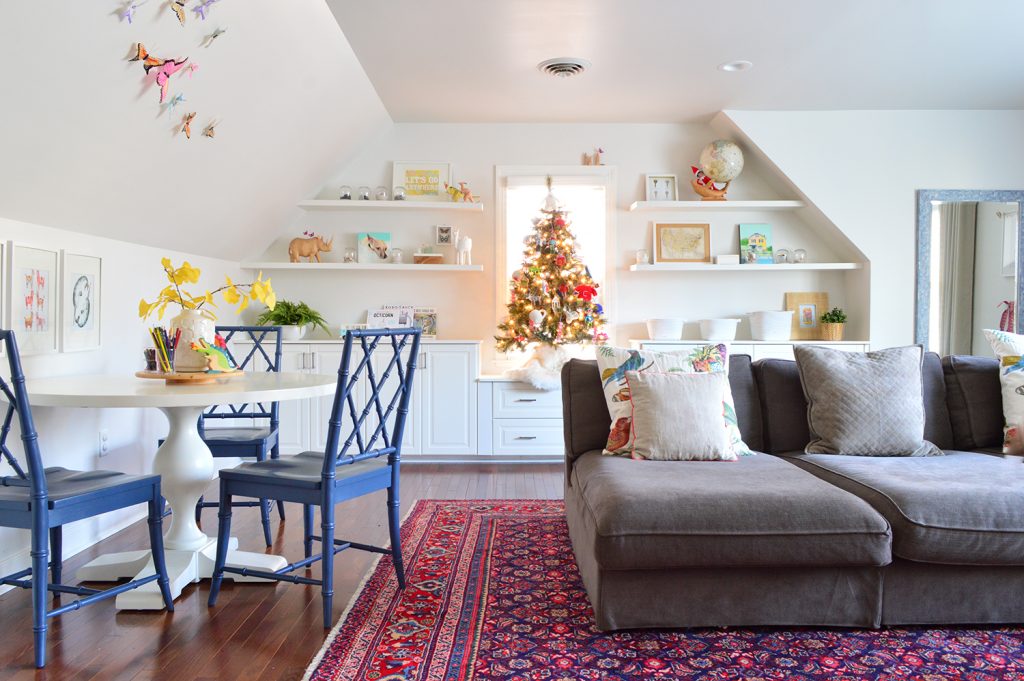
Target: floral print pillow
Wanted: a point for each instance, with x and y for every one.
(613, 363)
(1009, 348)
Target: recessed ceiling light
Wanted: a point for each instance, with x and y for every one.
(734, 66)
(564, 67)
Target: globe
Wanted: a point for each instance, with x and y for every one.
(722, 161)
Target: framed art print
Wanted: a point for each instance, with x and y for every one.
(674, 242)
(425, 319)
(443, 235)
(81, 283)
(31, 298)
(756, 244)
(807, 310)
(373, 247)
(661, 188)
(423, 181)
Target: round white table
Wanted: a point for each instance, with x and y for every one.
(184, 463)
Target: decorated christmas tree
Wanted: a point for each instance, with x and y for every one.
(552, 298)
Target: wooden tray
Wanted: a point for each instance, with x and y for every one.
(192, 377)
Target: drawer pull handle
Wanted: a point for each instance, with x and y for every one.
(525, 399)
(526, 437)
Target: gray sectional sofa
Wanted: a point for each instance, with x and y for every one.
(787, 538)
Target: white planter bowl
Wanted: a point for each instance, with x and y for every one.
(665, 329)
(771, 325)
(293, 333)
(718, 329)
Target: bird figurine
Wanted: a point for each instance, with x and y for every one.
(633, 363)
(218, 361)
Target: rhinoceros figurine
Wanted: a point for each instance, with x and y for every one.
(310, 248)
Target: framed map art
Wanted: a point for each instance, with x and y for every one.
(31, 298)
(81, 282)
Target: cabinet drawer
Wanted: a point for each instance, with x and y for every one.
(520, 401)
(528, 437)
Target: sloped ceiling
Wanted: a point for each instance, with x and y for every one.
(85, 145)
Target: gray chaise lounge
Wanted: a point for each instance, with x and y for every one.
(785, 538)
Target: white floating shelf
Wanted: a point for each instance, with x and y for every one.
(707, 267)
(337, 204)
(404, 267)
(715, 206)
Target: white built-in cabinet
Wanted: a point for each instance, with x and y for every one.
(442, 420)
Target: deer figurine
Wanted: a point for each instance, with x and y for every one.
(463, 248)
(309, 248)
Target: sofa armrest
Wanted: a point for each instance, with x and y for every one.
(585, 418)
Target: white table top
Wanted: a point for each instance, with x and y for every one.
(110, 390)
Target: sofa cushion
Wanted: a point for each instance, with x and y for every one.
(965, 508)
(757, 511)
(975, 401)
(784, 408)
(586, 421)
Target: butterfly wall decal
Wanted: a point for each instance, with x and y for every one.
(208, 40)
(202, 8)
(178, 7)
(128, 13)
(174, 101)
(186, 126)
(210, 130)
(165, 68)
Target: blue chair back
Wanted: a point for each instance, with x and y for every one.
(266, 343)
(356, 362)
(17, 404)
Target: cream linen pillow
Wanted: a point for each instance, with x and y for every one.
(679, 416)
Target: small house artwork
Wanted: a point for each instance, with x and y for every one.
(756, 244)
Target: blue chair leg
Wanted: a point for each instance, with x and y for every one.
(395, 528)
(156, 545)
(307, 530)
(327, 559)
(40, 566)
(275, 453)
(265, 509)
(223, 539)
(56, 555)
(199, 511)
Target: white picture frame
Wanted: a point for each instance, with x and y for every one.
(81, 302)
(423, 180)
(661, 187)
(33, 294)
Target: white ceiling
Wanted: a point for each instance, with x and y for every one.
(655, 60)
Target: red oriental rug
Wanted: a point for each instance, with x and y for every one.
(494, 593)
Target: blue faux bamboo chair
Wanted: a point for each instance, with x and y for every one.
(258, 441)
(348, 469)
(46, 499)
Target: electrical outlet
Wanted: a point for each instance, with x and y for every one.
(104, 443)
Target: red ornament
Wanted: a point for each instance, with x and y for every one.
(560, 260)
(586, 292)
(559, 222)
(563, 289)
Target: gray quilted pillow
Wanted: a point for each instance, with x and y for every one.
(864, 403)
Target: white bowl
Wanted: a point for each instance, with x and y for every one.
(665, 329)
(771, 325)
(718, 329)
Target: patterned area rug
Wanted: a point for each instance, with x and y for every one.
(494, 593)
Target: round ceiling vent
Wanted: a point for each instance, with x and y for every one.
(564, 67)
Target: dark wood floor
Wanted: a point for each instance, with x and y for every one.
(256, 632)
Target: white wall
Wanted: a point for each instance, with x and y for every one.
(88, 147)
(68, 437)
(991, 288)
(862, 168)
(467, 302)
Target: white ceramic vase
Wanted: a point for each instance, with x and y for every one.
(293, 332)
(194, 325)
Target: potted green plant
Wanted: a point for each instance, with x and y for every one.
(832, 323)
(294, 318)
